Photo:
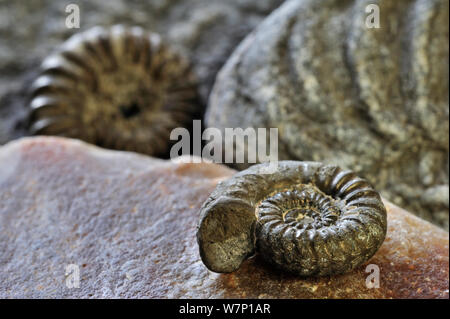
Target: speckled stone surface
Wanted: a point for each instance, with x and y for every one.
(129, 222)
(372, 100)
(207, 31)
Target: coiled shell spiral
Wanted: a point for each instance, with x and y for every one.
(117, 87)
(307, 218)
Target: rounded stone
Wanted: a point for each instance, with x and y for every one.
(373, 100)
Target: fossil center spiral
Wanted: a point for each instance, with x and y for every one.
(123, 95)
(302, 207)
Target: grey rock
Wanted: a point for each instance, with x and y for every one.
(205, 30)
(371, 100)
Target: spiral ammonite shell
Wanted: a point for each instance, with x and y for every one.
(117, 87)
(306, 218)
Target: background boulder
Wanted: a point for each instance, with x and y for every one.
(373, 100)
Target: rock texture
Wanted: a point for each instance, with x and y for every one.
(371, 100)
(129, 223)
(205, 30)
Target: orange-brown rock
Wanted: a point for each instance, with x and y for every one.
(129, 223)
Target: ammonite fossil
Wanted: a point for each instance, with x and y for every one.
(337, 87)
(117, 87)
(306, 218)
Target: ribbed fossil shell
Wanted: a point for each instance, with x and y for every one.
(307, 218)
(120, 88)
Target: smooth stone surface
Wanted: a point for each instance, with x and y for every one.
(374, 101)
(129, 223)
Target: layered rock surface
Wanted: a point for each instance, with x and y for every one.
(373, 100)
(129, 223)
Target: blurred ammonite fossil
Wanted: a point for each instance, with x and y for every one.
(307, 218)
(117, 87)
(374, 100)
